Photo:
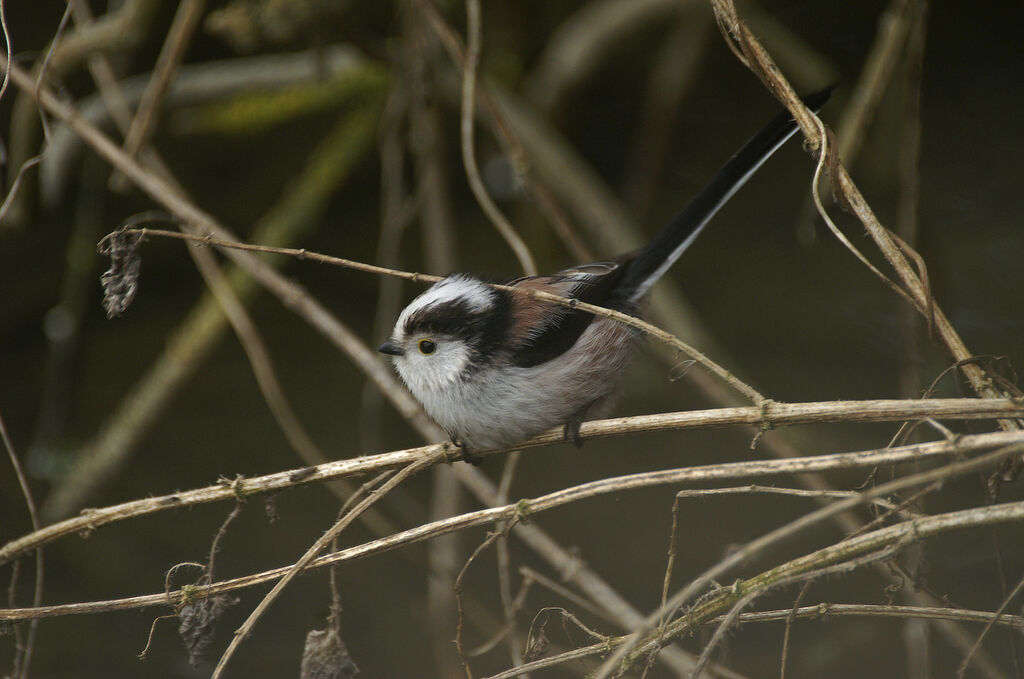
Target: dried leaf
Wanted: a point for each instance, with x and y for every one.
(536, 644)
(325, 657)
(120, 281)
(198, 623)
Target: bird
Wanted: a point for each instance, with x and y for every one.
(494, 367)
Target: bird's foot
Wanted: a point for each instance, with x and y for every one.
(571, 431)
(466, 454)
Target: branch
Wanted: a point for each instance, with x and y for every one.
(711, 610)
(502, 224)
(828, 610)
(709, 473)
(178, 38)
(755, 57)
(629, 652)
(820, 611)
(781, 414)
(23, 653)
(246, 629)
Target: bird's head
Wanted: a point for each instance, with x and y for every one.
(446, 333)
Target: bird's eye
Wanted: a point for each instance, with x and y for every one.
(427, 346)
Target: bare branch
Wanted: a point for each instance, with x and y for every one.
(762, 543)
(186, 19)
(23, 655)
(754, 55)
(712, 611)
(242, 632)
(801, 413)
(503, 226)
(917, 452)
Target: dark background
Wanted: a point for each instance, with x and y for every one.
(788, 308)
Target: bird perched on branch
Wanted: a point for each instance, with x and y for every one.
(494, 367)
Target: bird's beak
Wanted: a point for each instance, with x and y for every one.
(391, 349)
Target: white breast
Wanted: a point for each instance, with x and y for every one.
(496, 408)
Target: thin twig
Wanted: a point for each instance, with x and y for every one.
(837, 232)
(141, 655)
(541, 194)
(875, 79)
(825, 610)
(962, 670)
(504, 562)
(787, 531)
(215, 543)
(667, 579)
(753, 54)
(242, 632)
(565, 615)
(332, 573)
(503, 226)
(793, 614)
(729, 619)
(792, 492)
(185, 21)
(256, 351)
(501, 634)
(23, 656)
(457, 587)
(532, 575)
(708, 613)
(29, 163)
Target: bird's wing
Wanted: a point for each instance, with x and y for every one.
(543, 331)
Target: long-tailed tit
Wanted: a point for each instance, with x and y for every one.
(493, 367)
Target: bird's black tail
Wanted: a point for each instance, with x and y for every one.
(654, 260)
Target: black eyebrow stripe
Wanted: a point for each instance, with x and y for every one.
(485, 330)
(448, 318)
